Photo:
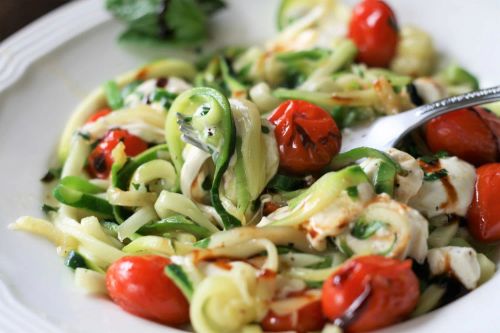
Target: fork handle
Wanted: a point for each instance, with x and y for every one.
(473, 98)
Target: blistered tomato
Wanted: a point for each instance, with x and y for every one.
(307, 137)
(370, 292)
(374, 30)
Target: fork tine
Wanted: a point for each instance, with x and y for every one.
(189, 134)
(182, 119)
(193, 141)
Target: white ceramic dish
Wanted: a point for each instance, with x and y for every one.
(48, 67)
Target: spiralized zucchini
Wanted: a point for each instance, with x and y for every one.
(228, 301)
(204, 187)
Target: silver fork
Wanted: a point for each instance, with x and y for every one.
(189, 134)
(386, 132)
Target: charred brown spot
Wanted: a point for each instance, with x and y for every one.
(266, 274)
(341, 99)
(162, 82)
(142, 74)
(305, 138)
(99, 163)
(224, 264)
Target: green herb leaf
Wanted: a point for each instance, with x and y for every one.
(159, 22)
(352, 192)
(164, 97)
(430, 177)
(364, 230)
(51, 175)
(47, 209)
(113, 95)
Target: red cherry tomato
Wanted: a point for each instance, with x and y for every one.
(99, 114)
(484, 213)
(307, 137)
(139, 285)
(100, 160)
(309, 318)
(374, 30)
(370, 292)
(462, 133)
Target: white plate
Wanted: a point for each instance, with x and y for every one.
(48, 67)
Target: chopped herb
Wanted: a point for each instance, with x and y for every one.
(129, 88)
(434, 158)
(285, 183)
(314, 284)
(47, 209)
(430, 177)
(363, 229)
(352, 192)
(202, 244)
(136, 186)
(165, 98)
(51, 175)
(265, 129)
(205, 109)
(75, 260)
(85, 136)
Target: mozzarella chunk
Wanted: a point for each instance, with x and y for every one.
(448, 195)
(142, 93)
(335, 218)
(460, 262)
(406, 186)
(177, 85)
(398, 231)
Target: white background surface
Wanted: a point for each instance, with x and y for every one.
(39, 295)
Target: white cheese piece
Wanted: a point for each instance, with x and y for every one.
(449, 195)
(140, 95)
(403, 233)
(335, 218)
(460, 262)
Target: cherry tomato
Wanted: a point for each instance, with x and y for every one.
(307, 137)
(139, 285)
(462, 133)
(100, 160)
(374, 30)
(309, 318)
(484, 213)
(370, 292)
(99, 114)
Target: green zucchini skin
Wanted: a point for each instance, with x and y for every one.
(178, 276)
(75, 260)
(186, 104)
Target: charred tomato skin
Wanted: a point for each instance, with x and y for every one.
(370, 292)
(307, 137)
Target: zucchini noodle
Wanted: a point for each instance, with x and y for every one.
(154, 170)
(192, 163)
(135, 222)
(169, 202)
